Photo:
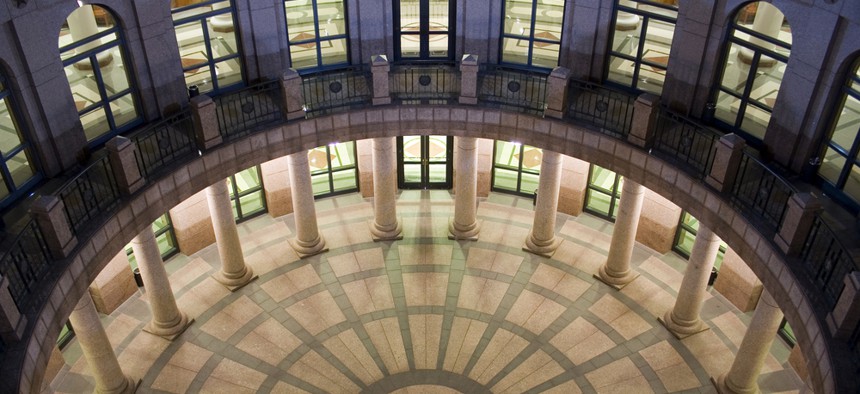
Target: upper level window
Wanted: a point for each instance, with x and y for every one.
(424, 29)
(317, 33)
(531, 32)
(641, 40)
(208, 44)
(759, 42)
(840, 166)
(17, 170)
(93, 54)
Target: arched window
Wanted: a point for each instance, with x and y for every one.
(531, 32)
(759, 42)
(840, 166)
(93, 55)
(208, 44)
(424, 29)
(317, 33)
(17, 170)
(640, 44)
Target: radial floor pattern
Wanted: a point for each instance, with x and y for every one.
(426, 314)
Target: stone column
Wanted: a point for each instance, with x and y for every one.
(542, 240)
(845, 317)
(465, 223)
(385, 226)
(205, 118)
(127, 173)
(50, 216)
(309, 241)
(82, 24)
(797, 222)
(768, 21)
(727, 158)
(683, 320)
(645, 111)
(234, 273)
(379, 67)
(556, 92)
(291, 91)
(167, 321)
(12, 322)
(743, 375)
(97, 349)
(616, 272)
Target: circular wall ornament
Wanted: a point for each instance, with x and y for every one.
(424, 80)
(514, 86)
(335, 87)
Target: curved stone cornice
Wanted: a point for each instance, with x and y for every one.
(141, 209)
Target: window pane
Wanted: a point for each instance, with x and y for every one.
(626, 40)
(222, 42)
(412, 148)
(847, 124)
(95, 123)
(4, 191)
(9, 137)
(123, 110)
(529, 182)
(598, 201)
(852, 183)
(621, 70)
(318, 159)
(412, 173)
(192, 52)
(319, 184)
(229, 72)
(505, 179)
(247, 180)
(518, 16)
(334, 51)
(532, 158)
(736, 72)
(437, 173)
(344, 180)
(439, 15)
(251, 203)
(831, 166)
(331, 18)
(548, 20)
(515, 50)
(755, 121)
(438, 45)
(21, 168)
(545, 55)
(438, 148)
(409, 15)
(303, 55)
(685, 241)
(114, 75)
(300, 20)
(410, 45)
(767, 80)
(727, 107)
(84, 88)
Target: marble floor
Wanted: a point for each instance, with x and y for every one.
(426, 314)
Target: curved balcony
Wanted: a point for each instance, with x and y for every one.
(773, 221)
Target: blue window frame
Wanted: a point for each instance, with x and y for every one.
(209, 45)
(840, 163)
(424, 30)
(318, 34)
(92, 49)
(18, 171)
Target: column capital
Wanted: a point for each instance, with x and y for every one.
(469, 79)
(291, 90)
(52, 220)
(121, 153)
(556, 92)
(205, 118)
(380, 67)
(727, 158)
(797, 222)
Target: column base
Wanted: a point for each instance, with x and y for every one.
(234, 284)
(310, 249)
(381, 234)
(469, 233)
(172, 332)
(544, 249)
(616, 282)
(128, 388)
(681, 331)
(722, 387)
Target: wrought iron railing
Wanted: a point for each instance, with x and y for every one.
(826, 261)
(90, 194)
(25, 263)
(512, 89)
(609, 111)
(164, 143)
(253, 108)
(760, 193)
(683, 141)
(337, 90)
(424, 84)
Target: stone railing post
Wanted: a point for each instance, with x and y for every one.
(12, 322)
(556, 92)
(380, 68)
(726, 162)
(205, 119)
(645, 110)
(55, 226)
(469, 79)
(797, 222)
(291, 89)
(845, 317)
(122, 161)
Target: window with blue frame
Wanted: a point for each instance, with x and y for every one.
(840, 164)
(247, 194)
(208, 44)
(99, 73)
(640, 44)
(317, 33)
(755, 58)
(516, 168)
(18, 171)
(334, 169)
(531, 32)
(603, 192)
(424, 30)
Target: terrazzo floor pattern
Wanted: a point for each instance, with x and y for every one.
(426, 314)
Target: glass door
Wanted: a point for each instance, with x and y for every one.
(424, 162)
